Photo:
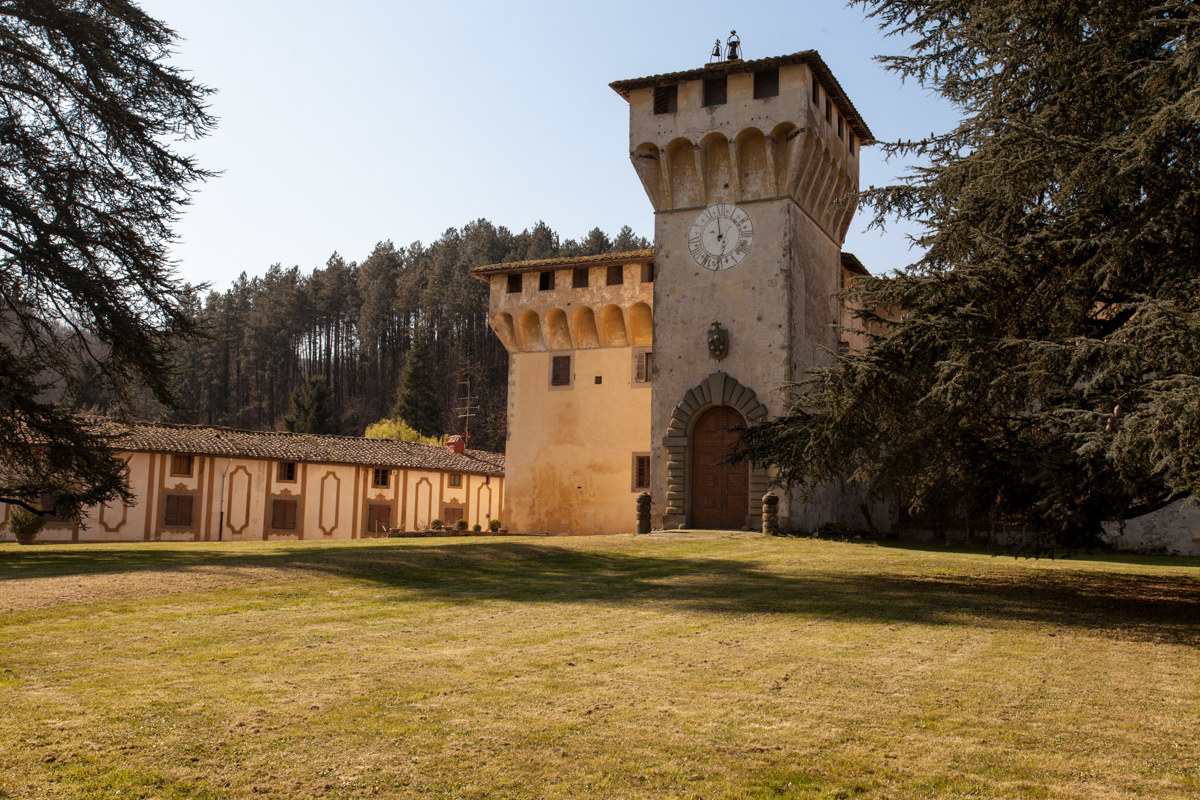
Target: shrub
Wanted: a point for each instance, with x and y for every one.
(477, 527)
(494, 525)
(436, 525)
(402, 431)
(21, 521)
(461, 525)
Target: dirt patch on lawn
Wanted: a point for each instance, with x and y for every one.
(24, 594)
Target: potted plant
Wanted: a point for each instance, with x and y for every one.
(436, 525)
(494, 525)
(25, 524)
(461, 525)
(477, 528)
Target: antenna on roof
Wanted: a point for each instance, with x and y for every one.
(466, 410)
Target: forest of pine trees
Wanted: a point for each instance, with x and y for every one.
(353, 323)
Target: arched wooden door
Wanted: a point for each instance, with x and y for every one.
(720, 492)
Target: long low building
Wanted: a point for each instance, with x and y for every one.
(200, 483)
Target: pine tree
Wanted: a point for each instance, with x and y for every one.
(417, 402)
(312, 408)
(1041, 362)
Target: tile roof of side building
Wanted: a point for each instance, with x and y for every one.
(602, 260)
(162, 437)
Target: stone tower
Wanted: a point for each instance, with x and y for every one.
(745, 163)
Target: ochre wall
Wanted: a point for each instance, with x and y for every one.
(332, 499)
(569, 460)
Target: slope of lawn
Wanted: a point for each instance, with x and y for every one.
(665, 666)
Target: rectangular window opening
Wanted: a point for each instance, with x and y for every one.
(851, 144)
(514, 283)
(616, 275)
(579, 278)
(546, 281)
(454, 480)
(560, 371)
(648, 273)
(841, 132)
(287, 471)
(644, 364)
(599, 379)
(816, 87)
(666, 99)
(828, 110)
(714, 91)
(380, 478)
(766, 84)
(178, 510)
(181, 466)
(641, 472)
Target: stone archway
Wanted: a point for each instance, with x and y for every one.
(718, 389)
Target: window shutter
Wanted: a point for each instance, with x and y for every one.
(641, 368)
(560, 371)
(185, 509)
(643, 472)
(172, 509)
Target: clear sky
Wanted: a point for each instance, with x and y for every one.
(344, 124)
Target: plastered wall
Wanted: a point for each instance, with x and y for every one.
(232, 501)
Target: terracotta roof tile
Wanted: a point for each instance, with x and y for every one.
(161, 437)
(547, 263)
(810, 57)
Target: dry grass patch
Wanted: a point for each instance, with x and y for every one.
(614, 667)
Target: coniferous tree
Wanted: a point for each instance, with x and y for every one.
(417, 402)
(89, 187)
(1041, 362)
(312, 408)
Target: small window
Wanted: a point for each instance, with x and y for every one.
(599, 379)
(487, 478)
(642, 370)
(579, 278)
(641, 471)
(816, 92)
(648, 273)
(379, 517)
(714, 91)
(616, 275)
(178, 510)
(181, 466)
(828, 110)
(283, 515)
(560, 371)
(666, 99)
(766, 84)
(287, 471)
(454, 480)
(546, 281)
(851, 144)
(514, 283)
(841, 132)
(381, 478)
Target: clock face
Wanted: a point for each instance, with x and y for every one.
(721, 236)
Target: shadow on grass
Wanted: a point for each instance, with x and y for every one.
(1160, 607)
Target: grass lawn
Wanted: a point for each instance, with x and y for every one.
(705, 667)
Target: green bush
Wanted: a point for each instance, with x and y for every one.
(436, 525)
(494, 525)
(461, 525)
(477, 527)
(21, 521)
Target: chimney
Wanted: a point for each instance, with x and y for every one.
(456, 444)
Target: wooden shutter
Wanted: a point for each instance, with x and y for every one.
(181, 465)
(379, 517)
(560, 374)
(451, 515)
(178, 510)
(283, 515)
